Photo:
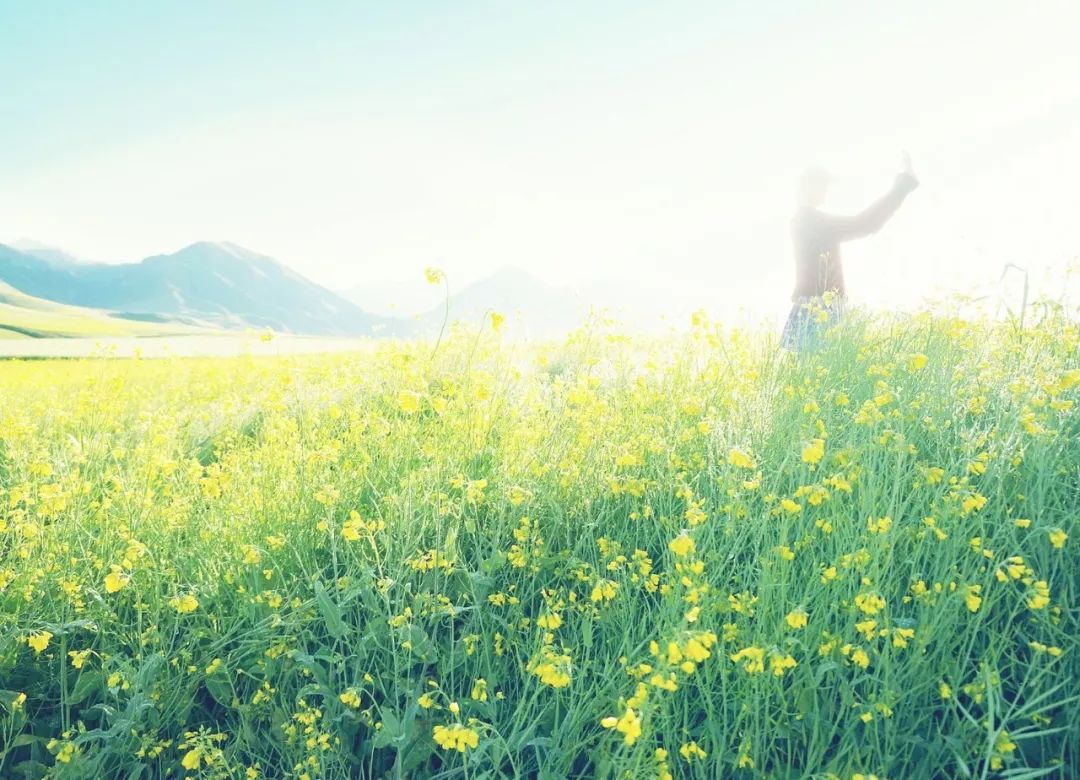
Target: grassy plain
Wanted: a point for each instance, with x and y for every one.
(23, 316)
(693, 556)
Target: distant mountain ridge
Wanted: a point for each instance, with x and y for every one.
(532, 307)
(52, 254)
(218, 283)
(225, 286)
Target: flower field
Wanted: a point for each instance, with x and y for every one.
(611, 557)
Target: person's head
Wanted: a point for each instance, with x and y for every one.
(813, 186)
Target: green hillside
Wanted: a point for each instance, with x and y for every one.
(24, 316)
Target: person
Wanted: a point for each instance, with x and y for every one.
(820, 296)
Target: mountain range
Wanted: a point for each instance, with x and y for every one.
(217, 285)
(222, 286)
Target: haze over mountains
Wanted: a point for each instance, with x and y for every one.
(224, 286)
(532, 307)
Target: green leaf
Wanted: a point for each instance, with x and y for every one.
(30, 769)
(389, 733)
(330, 611)
(19, 741)
(422, 646)
(824, 668)
(587, 634)
(85, 686)
(220, 689)
(450, 545)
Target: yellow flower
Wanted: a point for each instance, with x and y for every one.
(944, 691)
(39, 641)
(740, 459)
(697, 649)
(66, 752)
(752, 484)
(185, 604)
(604, 591)
(549, 621)
(870, 603)
(551, 667)
(682, 545)
(1058, 538)
(497, 321)
(456, 737)
(434, 275)
(814, 451)
(796, 618)
(779, 663)
(629, 725)
(78, 657)
(916, 362)
(192, 759)
(691, 750)
(350, 698)
(879, 526)
(972, 598)
(479, 690)
(426, 701)
(408, 401)
(973, 503)
(116, 580)
(1022, 523)
(752, 659)
(350, 531)
(791, 507)
(1041, 596)
(901, 636)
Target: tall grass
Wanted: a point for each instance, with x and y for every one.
(693, 556)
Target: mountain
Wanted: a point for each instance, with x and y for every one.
(24, 316)
(218, 283)
(51, 254)
(532, 307)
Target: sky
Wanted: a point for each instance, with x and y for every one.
(650, 144)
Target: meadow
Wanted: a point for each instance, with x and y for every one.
(692, 556)
(24, 317)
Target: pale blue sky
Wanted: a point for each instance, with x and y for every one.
(657, 141)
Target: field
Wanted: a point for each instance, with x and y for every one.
(613, 557)
(23, 316)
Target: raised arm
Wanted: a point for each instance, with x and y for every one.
(871, 219)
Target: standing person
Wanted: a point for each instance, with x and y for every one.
(819, 295)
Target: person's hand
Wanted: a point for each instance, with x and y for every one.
(907, 171)
(905, 164)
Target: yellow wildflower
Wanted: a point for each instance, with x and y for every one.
(39, 641)
(796, 618)
(682, 545)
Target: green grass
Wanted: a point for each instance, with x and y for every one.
(24, 316)
(326, 566)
